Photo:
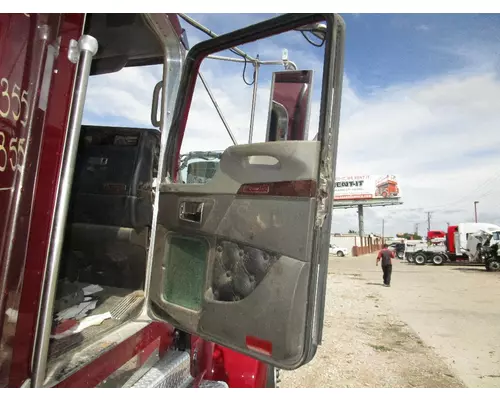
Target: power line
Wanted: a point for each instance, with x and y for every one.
(474, 192)
(487, 193)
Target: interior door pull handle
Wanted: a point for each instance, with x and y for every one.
(191, 211)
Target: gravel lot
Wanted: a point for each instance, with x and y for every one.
(435, 327)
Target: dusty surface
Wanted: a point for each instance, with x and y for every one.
(435, 327)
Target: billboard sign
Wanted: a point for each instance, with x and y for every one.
(366, 187)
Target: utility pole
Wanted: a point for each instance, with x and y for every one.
(361, 223)
(383, 223)
(429, 220)
(416, 228)
(475, 210)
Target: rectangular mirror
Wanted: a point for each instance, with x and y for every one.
(239, 249)
(291, 93)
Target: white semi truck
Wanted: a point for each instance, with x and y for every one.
(462, 244)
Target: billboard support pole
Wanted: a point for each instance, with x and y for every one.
(383, 233)
(361, 223)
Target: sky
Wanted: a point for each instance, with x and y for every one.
(419, 101)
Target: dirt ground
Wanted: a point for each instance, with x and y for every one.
(434, 327)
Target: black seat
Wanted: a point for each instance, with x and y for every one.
(111, 206)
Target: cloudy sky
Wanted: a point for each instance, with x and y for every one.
(419, 100)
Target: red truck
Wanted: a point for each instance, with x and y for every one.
(435, 235)
(106, 274)
(387, 188)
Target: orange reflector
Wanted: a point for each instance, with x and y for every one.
(260, 345)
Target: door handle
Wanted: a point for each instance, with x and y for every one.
(154, 106)
(191, 211)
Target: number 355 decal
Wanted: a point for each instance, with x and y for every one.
(12, 150)
(13, 154)
(9, 100)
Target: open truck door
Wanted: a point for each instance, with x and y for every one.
(241, 260)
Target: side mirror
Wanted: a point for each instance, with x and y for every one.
(289, 105)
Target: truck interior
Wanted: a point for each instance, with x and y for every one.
(108, 232)
(108, 225)
(102, 271)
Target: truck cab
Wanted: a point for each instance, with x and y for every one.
(458, 235)
(387, 187)
(115, 272)
(482, 245)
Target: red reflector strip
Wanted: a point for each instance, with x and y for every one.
(259, 345)
(257, 188)
(304, 188)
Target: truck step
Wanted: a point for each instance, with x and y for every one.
(213, 385)
(172, 371)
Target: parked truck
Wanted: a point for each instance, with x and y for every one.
(410, 247)
(436, 235)
(459, 245)
(483, 248)
(492, 252)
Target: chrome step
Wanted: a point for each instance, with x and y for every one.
(172, 371)
(213, 385)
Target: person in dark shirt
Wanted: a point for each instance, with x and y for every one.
(386, 255)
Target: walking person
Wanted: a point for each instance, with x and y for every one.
(386, 255)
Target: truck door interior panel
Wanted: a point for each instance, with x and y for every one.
(249, 242)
